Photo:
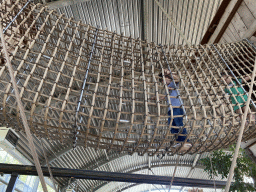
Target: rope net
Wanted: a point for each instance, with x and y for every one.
(95, 88)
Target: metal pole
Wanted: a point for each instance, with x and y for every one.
(16, 16)
(110, 176)
(175, 86)
(233, 75)
(77, 128)
(12, 182)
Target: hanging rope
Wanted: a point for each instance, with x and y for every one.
(22, 112)
(177, 162)
(48, 165)
(232, 168)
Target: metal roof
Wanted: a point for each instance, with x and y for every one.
(189, 166)
(128, 17)
(197, 173)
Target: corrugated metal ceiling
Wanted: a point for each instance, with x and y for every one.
(128, 17)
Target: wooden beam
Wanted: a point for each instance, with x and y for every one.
(221, 21)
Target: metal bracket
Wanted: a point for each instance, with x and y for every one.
(12, 182)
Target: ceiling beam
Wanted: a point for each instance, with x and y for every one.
(109, 176)
(114, 156)
(141, 168)
(221, 21)
(102, 184)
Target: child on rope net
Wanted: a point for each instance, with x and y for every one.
(176, 102)
(242, 101)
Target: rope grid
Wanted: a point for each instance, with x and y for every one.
(92, 87)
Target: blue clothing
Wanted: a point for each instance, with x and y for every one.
(174, 101)
(177, 121)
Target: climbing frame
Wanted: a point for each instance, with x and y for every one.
(91, 87)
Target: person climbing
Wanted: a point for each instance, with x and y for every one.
(177, 109)
(237, 91)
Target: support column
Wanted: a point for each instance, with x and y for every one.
(12, 182)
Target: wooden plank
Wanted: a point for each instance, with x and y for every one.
(226, 37)
(225, 20)
(246, 16)
(222, 40)
(215, 21)
(252, 6)
(237, 27)
(250, 32)
(222, 20)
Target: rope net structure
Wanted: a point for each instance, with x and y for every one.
(85, 86)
